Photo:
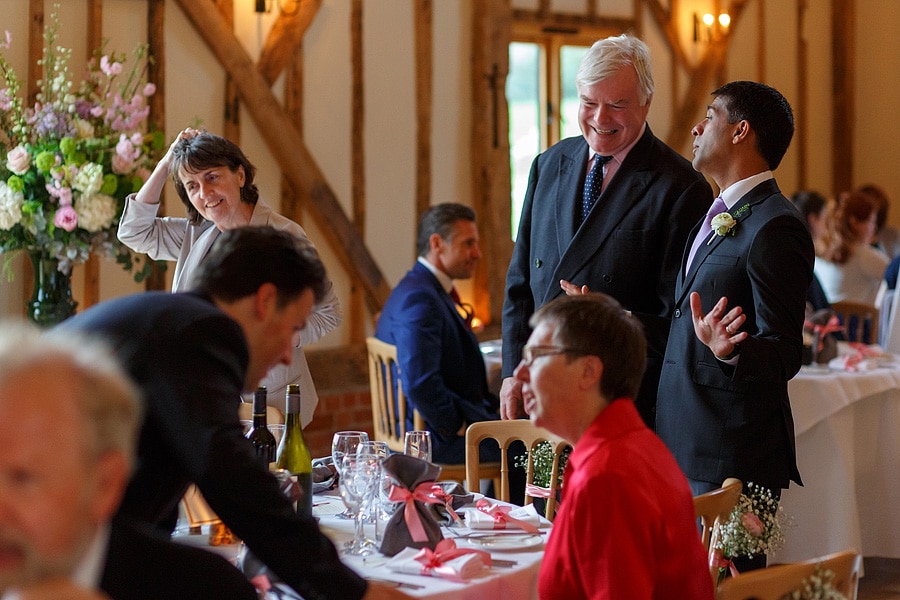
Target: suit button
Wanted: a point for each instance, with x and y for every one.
(538, 263)
(607, 278)
(677, 313)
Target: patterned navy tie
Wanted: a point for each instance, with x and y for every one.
(593, 185)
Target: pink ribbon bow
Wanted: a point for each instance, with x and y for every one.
(500, 514)
(821, 331)
(434, 561)
(447, 500)
(718, 560)
(536, 491)
(422, 493)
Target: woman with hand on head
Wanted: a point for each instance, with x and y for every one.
(215, 181)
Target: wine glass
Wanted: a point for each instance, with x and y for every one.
(360, 476)
(418, 444)
(378, 508)
(344, 443)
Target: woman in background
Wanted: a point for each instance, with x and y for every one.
(847, 265)
(214, 180)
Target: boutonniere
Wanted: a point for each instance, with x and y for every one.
(723, 224)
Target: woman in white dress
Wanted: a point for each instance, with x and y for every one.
(214, 180)
(847, 264)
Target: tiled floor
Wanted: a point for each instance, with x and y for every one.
(882, 579)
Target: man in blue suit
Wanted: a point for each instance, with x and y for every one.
(441, 367)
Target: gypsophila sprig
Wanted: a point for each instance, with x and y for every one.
(754, 528)
(818, 586)
(73, 157)
(543, 463)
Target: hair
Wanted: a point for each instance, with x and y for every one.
(884, 203)
(243, 259)
(838, 240)
(605, 57)
(207, 151)
(808, 203)
(597, 325)
(440, 219)
(107, 399)
(768, 113)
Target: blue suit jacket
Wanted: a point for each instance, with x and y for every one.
(441, 367)
(735, 421)
(629, 247)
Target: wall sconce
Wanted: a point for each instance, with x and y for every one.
(707, 27)
(265, 6)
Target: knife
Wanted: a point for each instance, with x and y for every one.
(396, 584)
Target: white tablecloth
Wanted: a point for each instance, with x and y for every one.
(848, 451)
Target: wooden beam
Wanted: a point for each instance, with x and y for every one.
(156, 72)
(35, 51)
(424, 16)
(569, 23)
(91, 290)
(286, 35)
(288, 148)
(843, 81)
(231, 127)
(801, 107)
(359, 326)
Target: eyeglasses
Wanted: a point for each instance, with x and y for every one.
(530, 353)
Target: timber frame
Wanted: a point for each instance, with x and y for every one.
(305, 189)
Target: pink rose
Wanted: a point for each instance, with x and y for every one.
(752, 524)
(149, 89)
(66, 218)
(18, 160)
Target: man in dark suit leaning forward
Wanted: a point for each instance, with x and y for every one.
(723, 406)
(608, 211)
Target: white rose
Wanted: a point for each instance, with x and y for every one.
(722, 223)
(18, 160)
(95, 212)
(10, 206)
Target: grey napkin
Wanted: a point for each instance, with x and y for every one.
(409, 472)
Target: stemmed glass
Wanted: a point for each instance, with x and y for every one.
(343, 444)
(377, 509)
(360, 476)
(418, 444)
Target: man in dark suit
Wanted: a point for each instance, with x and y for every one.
(192, 354)
(723, 406)
(69, 419)
(441, 367)
(629, 243)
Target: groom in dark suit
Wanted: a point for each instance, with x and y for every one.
(608, 211)
(441, 367)
(723, 406)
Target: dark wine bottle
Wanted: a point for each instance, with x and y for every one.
(262, 439)
(293, 453)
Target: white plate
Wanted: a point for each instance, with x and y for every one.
(506, 542)
(476, 497)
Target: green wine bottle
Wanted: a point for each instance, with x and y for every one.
(293, 453)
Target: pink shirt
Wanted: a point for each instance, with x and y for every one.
(626, 525)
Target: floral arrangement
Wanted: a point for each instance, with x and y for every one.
(819, 586)
(73, 157)
(542, 457)
(754, 527)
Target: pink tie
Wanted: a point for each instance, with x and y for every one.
(703, 234)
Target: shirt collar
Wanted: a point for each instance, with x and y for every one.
(736, 191)
(444, 279)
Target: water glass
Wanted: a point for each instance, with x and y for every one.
(418, 444)
(345, 443)
(360, 476)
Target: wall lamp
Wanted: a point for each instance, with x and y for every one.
(708, 26)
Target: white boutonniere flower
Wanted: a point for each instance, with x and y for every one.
(723, 224)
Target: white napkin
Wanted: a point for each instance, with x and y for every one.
(475, 519)
(466, 566)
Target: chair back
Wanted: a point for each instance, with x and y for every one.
(713, 509)
(507, 432)
(774, 582)
(858, 319)
(389, 405)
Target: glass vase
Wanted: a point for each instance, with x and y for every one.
(51, 302)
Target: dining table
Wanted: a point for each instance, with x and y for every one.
(847, 427)
(516, 556)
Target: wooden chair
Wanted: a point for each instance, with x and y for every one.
(390, 406)
(774, 582)
(858, 313)
(714, 508)
(507, 432)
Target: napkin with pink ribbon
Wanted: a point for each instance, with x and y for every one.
(412, 524)
(445, 561)
(488, 515)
